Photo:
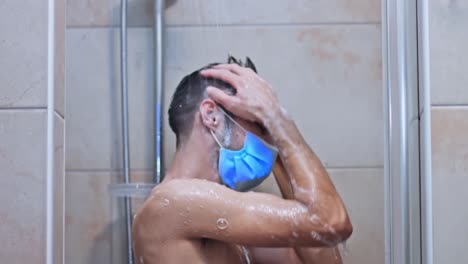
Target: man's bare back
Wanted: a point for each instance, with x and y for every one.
(192, 218)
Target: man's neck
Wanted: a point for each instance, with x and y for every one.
(194, 160)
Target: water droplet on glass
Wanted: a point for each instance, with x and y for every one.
(165, 202)
(222, 224)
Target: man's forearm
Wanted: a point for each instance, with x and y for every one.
(306, 255)
(306, 172)
(308, 178)
(283, 180)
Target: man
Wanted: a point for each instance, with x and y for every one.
(231, 132)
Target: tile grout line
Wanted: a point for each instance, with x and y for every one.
(356, 168)
(441, 106)
(32, 109)
(27, 108)
(107, 170)
(277, 25)
(370, 23)
(150, 170)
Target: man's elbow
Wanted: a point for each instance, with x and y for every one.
(338, 229)
(341, 224)
(343, 229)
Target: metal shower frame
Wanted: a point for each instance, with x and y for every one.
(408, 178)
(408, 189)
(158, 27)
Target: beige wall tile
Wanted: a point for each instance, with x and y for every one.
(95, 226)
(94, 99)
(22, 181)
(213, 12)
(23, 45)
(87, 218)
(59, 180)
(272, 11)
(328, 78)
(59, 93)
(269, 186)
(449, 173)
(449, 59)
(362, 191)
(105, 13)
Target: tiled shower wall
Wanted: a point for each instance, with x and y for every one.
(449, 80)
(322, 57)
(23, 130)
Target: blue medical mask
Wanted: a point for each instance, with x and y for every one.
(244, 169)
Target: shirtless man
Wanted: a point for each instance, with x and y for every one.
(198, 214)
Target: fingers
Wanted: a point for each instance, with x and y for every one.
(221, 97)
(223, 75)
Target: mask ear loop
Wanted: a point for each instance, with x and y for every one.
(216, 139)
(232, 119)
(243, 129)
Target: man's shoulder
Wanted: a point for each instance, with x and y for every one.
(182, 189)
(178, 184)
(169, 197)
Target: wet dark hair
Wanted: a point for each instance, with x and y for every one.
(190, 92)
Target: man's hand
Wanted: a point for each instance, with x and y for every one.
(254, 101)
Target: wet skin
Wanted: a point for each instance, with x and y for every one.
(192, 218)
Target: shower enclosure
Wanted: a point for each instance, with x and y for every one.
(355, 78)
(378, 89)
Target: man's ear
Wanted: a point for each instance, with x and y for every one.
(210, 114)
